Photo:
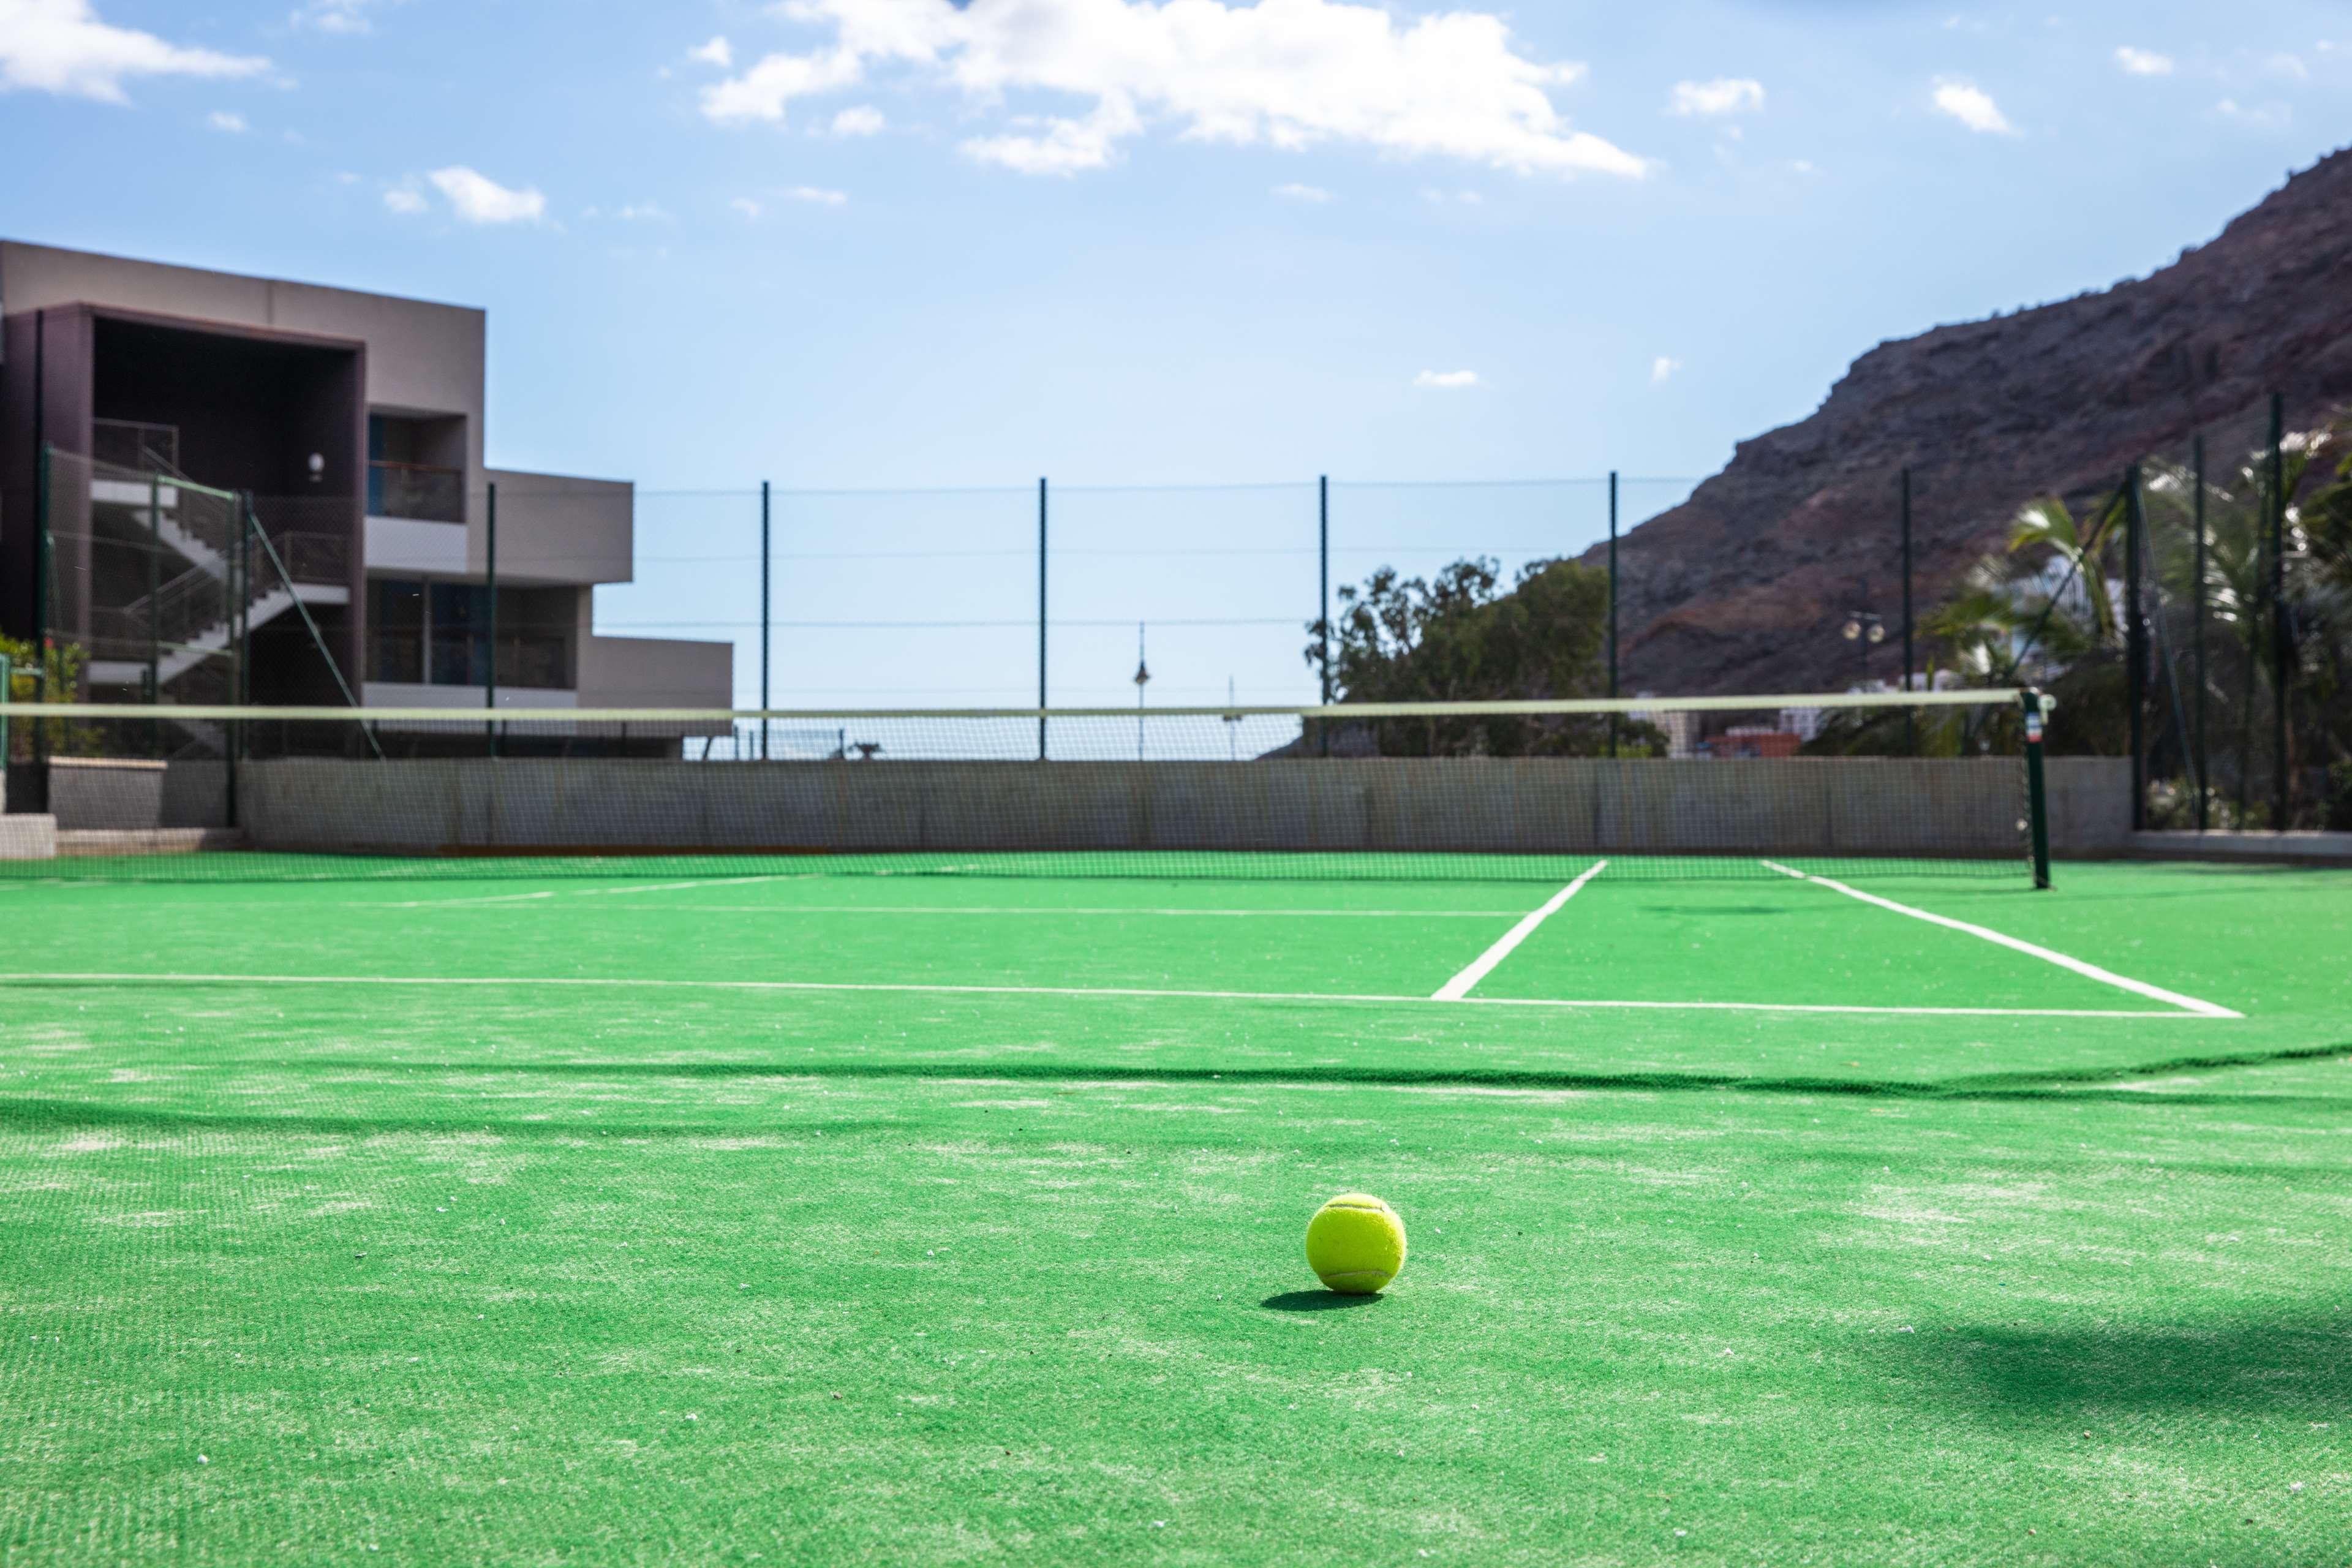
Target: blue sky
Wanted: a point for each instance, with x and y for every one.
(901, 244)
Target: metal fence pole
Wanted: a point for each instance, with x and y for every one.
(154, 605)
(763, 620)
(1613, 608)
(2134, 645)
(2197, 649)
(1041, 620)
(490, 642)
(1323, 594)
(2282, 650)
(1910, 716)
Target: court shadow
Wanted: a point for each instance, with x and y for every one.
(2298, 1365)
(1317, 1302)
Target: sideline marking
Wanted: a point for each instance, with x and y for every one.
(576, 893)
(1458, 988)
(1029, 909)
(35, 980)
(2048, 955)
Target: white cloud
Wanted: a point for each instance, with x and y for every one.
(339, 16)
(862, 120)
(634, 212)
(1313, 195)
(2288, 65)
(474, 197)
(1054, 145)
(717, 52)
(228, 121)
(761, 92)
(1661, 369)
(818, 196)
(745, 206)
(2142, 62)
(1287, 74)
(61, 47)
(2261, 116)
(1709, 99)
(1447, 380)
(1972, 107)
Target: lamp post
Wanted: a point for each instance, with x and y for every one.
(1866, 631)
(1142, 680)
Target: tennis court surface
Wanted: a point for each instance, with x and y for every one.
(775, 1217)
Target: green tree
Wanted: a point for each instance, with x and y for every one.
(1464, 637)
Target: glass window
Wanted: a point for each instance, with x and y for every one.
(395, 629)
(461, 615)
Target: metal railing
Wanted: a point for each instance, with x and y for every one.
(417, 491)
(136, 444)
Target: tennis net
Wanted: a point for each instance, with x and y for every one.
(1853, 783)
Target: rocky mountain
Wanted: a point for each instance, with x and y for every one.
(1742, 587)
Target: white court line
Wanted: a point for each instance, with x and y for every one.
(576, 892)
(2048, 955)
(615, 982)
(1038, 909)
(1455, 989)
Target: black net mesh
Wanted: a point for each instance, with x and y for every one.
(1852, 785)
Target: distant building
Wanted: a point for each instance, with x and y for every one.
(354, 424)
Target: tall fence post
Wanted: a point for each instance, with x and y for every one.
(763, 620)
(1910, 716)
(1613, 608)
(1041, 620)
(1323, 595)
(44, 565)
(2282, 643)
(2197, 639)
(491, 612)
(2135, 645)
(154, 605)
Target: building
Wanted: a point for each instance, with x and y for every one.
(176, 402)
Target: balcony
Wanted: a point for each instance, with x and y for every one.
(418, 491)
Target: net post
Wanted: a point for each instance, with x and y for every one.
(1910, 718)
(2135, 645)
(2037, 799)
(2197, 640)
(1040, 619)
(1613, 608)
(1323, 595)
(2282, 656)
(7, 694)
(491, 612)
(763, 620)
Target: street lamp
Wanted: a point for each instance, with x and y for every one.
(1866, 631)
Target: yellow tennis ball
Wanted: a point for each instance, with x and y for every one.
(1355, 1244)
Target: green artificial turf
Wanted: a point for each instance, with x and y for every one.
(306, 1254)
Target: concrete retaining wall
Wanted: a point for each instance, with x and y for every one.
(1801, 806)
(2089, 801)
(91, 792)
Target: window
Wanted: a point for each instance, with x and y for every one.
(534, 636)
(395, 629)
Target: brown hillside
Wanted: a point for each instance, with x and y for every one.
(1741, 587)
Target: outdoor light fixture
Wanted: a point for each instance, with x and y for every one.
(318, 466)
(1853, 631)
